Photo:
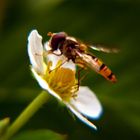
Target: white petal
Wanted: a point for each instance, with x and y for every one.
(87, 103)
(35, 51)
(46, 46)
(81, 117)
(54, 58)
(44, 84)
(69, 64)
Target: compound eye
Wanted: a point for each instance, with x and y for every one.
(57, 39)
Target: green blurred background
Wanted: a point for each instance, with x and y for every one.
(112, 22)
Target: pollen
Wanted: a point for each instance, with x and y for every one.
(62, 81)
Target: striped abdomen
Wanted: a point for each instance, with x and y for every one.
(97, 65)
(104, 70)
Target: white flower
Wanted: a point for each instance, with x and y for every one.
(61, 81)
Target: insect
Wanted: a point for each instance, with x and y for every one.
(77, 51)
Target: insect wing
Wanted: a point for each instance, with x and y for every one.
(97, 65)
(89, 61)
(101, 48)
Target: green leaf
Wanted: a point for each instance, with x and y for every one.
(39, 135)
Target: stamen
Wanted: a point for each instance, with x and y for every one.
(62, 81)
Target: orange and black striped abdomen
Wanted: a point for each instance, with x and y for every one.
(104, 70)
(97, 65)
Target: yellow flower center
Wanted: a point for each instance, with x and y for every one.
(62, 81)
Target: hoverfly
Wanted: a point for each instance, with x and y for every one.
(77, 51)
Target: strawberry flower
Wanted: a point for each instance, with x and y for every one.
(60, 81)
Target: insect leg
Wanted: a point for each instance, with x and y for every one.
(79, 79)
(45, 53)
(83, 76)
(59, 65)
(82, 67)
(76, 86)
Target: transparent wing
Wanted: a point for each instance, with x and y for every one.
(88, 60)
(96, 64)
(99, 47)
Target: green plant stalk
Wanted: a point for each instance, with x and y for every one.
(31, 109)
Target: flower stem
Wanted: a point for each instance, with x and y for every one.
(31, 109)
